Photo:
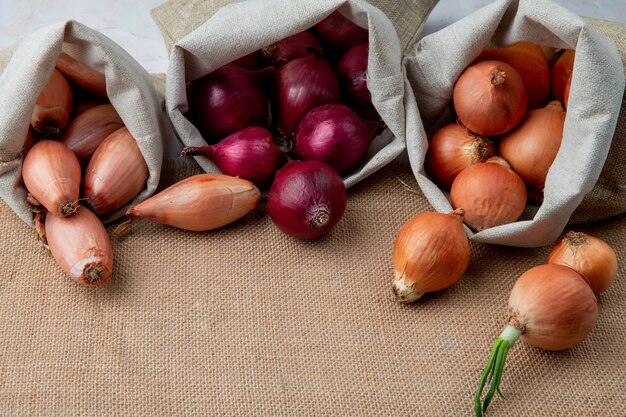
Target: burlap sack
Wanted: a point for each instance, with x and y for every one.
(595, 99)
(243, 27)
(26, 72)
(246, 321)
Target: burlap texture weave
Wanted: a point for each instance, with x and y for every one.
(248, 321)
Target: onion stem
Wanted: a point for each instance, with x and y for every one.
(495, 367)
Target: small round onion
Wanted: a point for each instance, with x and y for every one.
(340, 33)
(352, 71)
(227, 100)
(290, 48)
(300, 86)
(533, 145)
(490, 98)
(307, 199)
(490, 193)
(452, 149)
(335, 135)
(560, 73)
(250, 153)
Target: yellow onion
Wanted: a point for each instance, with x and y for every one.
(51, 173)
(561, 72)
(533, 145)
(81, 246)
(591, 257)
(82, 75)
(53, 107)
(199, 203)
(490, 193)
(551, 307)
(87, 131)
(116, 173)
(431, 253)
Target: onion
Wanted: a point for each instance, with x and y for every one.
(53, 107)
(300, 86)
(560, 73)
(250, 61)
(491, 194)
(340, 33)
(250, 154)
(490, 98)
(352, 71)
(335, 135)
(568, 85)
(51, 173)
(290, 48)
(551, 307)
(307, 199)
(227, 100)
(452, 149)
(591, 257)
(431, 252)
(81, 246)
(85, 77)
(198, 203)
(530, 62)
(116, 174)
(533, 145)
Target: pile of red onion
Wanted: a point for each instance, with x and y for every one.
(316, 113)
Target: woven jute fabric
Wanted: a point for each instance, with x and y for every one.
(597, 92)
(248, 321)
(25, 69)
(177, 18)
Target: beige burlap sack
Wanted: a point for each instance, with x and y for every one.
(243, 27)
(594, 105)
(246, 321)
(26, 69)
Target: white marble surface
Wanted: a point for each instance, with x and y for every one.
(128, 22)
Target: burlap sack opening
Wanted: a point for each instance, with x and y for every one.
(129, 87)
(241, 28)
(596, 94)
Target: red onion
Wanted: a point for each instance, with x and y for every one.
(227, 100)
(250, 154)
(340, 33)
(307, 199)
(352, 70)
(300, 86)
(336, 135)
(250, 61)
(290, 48)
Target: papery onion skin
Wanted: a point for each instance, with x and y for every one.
(352, 71)
(199, 203)
(533, 145)
(335, 135)
(452, 149)
(554, 305)
(490, 98)
(338, 32)
(560, 73)
(82, 75)
(51, 173)
(116, 174)
(491, 194)
(53, 107)
(590, 256)
(431, 252)
(307, 199)
(290, 48)
(300, 86)
(81, 246)
(89, 129)
(227, 100)
(530, 62)
(250, 153)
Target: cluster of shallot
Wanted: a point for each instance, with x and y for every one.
(495, 159)
(553, 306)
(80, 163)
(291, 118)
